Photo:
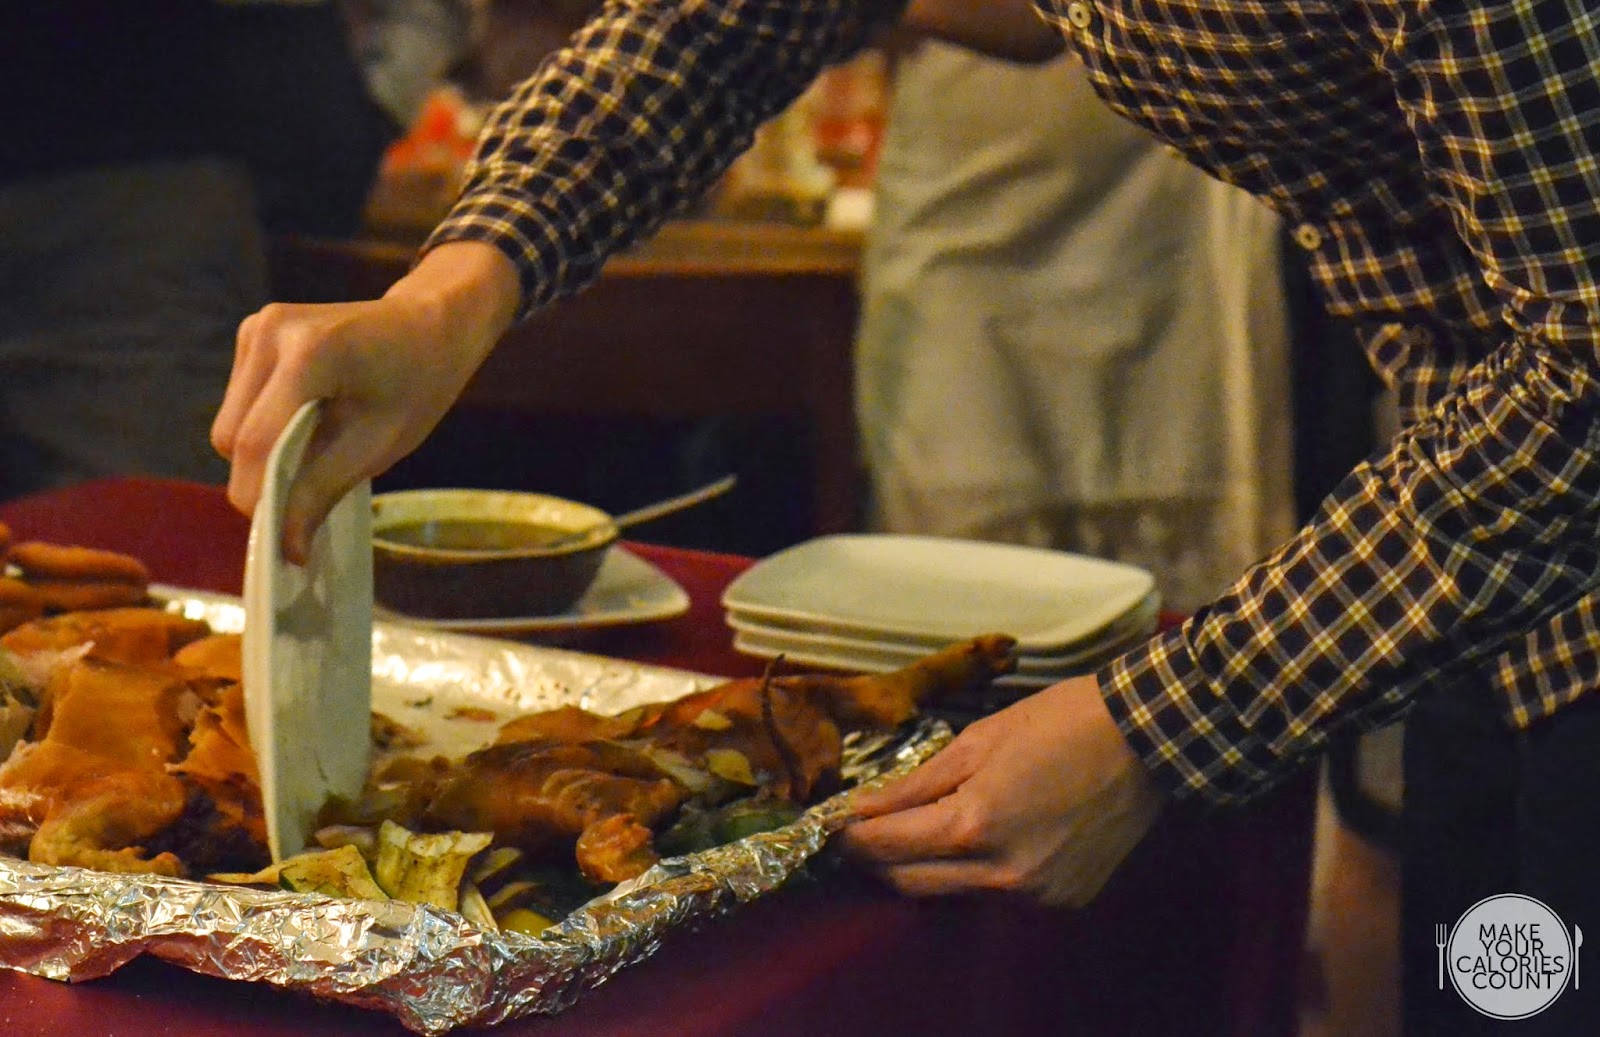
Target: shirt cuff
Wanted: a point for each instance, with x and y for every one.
(1195, 742)
(496, 218)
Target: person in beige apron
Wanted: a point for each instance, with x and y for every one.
(1070, 337)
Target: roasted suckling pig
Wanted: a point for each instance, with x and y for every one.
(567, 781)
(124, 748)
(138, 765)
(121, 723)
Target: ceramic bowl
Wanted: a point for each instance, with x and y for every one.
(470, 554)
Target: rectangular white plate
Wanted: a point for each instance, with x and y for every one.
(885, 654)
(807, 653)
(933, 590)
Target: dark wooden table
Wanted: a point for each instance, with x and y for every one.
(1200, 932)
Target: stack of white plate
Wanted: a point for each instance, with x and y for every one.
(875, 602)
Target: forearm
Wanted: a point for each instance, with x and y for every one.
(1008, 29)
(1477, 526)
(469, 286)
(638, 117)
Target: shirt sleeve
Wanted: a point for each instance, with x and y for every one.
(1472, 543)
(638, 116)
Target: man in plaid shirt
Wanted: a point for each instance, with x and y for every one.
(1440, 164)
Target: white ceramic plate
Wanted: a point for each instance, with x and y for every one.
(307, 650)
(856, 652)
(933, 590)
(809, 652)
(626, 590)
(754, 644)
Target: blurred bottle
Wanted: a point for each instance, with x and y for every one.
(422, 171)
(850, 104)
(823, 147)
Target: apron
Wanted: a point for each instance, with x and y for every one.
(1070, 337)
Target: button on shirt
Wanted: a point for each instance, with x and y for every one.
(1449, 169)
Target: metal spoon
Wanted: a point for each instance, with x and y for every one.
(660, 509)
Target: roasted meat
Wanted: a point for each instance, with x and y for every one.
(555, 800)
(224, 822)
(129, 635)
(568, 725)
(40, 559)
(63, 578)
(139, 758)
(218, 656)
(171, 782)
(19, 603)
(94, 792)
(570, 781)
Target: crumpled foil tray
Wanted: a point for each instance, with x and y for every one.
(431, 969)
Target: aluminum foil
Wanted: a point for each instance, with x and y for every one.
(431, 969)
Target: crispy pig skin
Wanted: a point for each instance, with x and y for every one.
(97, 791)
(790, 728)
(224, 817)
(78, 595)
(173, 772)
(546, 798)
(888, 700)
(132, 715)
(567, 725)
(567, 780)
(779, 726)
(219, 656)
(870, 701)
(88, 811)
(19, 603)
(129, 635)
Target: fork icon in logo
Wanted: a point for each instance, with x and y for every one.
(1441, 936)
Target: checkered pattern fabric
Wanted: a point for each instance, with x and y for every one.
(638, 117)
(1437, 159)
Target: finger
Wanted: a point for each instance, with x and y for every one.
(284, 393)
(934, 779)
(338, 457)
(937, 831)
(251, 367)
(946, 878)
(251, 446)
(1076, 886)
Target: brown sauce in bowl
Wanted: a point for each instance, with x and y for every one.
(474, 535)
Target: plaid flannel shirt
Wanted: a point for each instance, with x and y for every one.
(1440, 163)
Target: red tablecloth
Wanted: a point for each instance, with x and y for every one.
(1198, 934)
